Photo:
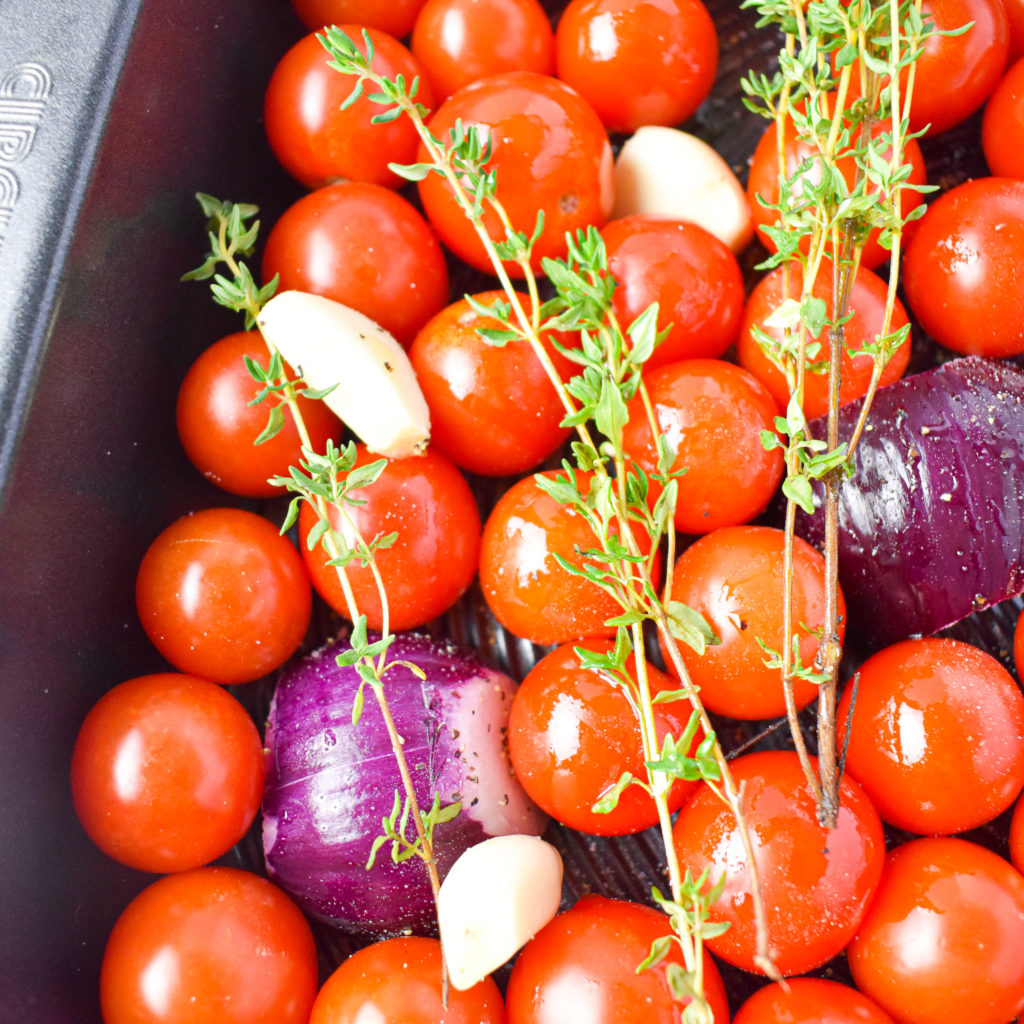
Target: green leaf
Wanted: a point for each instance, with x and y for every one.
(275, 422)
(814, 312)
(364, 476)
(796, 422)
(412, 172)
(668, 696)
(643, 334)
(358, 705)
(690, 627)
(798, 490)
(496, 337)
(609, 799)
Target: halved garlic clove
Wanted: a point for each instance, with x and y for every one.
(665, 172)
(376, 394)
(494, 899)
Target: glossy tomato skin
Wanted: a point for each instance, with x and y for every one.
(210, 946)
(1016, 838)
(320, 143)
(222, 595)
(809, 1001)
(398, 981)
(1002, 127)
(462, 41)
(167, 772)
(572, 733)
(549, 151)
(941, 940)
(581, 967)
(816, 883)
(395, 17)
(366, 247)
(427, 502)
(218, 427)
(962, 273)
(734, 578)
(638, 63)
(712, 413)
(868, 297)
(937, 735)
(493, 410)
(691, 274)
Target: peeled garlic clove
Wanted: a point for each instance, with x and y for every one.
(376, 394)
(494, 899)
(664, 172)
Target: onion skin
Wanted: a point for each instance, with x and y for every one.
(931, 525)
(330, 783)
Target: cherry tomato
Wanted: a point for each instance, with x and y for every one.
(222, 595)
(1016, 838)
(941, 941)
(582, 967)
(692, 275)
(549, 152)
(167, 772)
(809, 1001)
(1002, 127)
(962, 274)
(734, 578)
(492, 410)
(218, 427)
(398, 981)
(937, 735)
(815, 882)
(462, 41)
(427, 502)
(320, 143)
(868, 296)
(395, 17)
(572, 733)
(712, 413)
(526, 588)
(638, 63)
(363, 246)
(1015, 19)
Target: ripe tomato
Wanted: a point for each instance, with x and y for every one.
(366, 247)
(962, 274)
(167, 772)
(582, 967)
(937, 736)
(692, 275)
(462, 41)
(218, 426)
(427, 502)
(398, 981)
(527, 590)
(1016, 838)
(395, 17)
(1002, 127)
(210, 946)
(317, 141)
(734, 578)
(867, 306)
(1015, 18)
(572, 732)
(549, 151)
(492, 410)
(809, 1001)
(941, 941)
(223, 595)
(712, 413)
(815, 882)
(638, 63)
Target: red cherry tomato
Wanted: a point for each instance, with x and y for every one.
(527, 590)
(867, 306)
(462, 41)
(1015, 19)
(712, 413)
(961, 273)
(549, 152)
(572, 733)
(1002, 127)
(815, 882)
(692, 275)
(638, 63)
(492, 410)
(395, 17)
(937, 735)
(210, 946)
(941, 941)
(582, 967)
(427, 502)
(317, 141)
(223, 595)
(734, 578)
(218, 427)
(366, 247)
(167, 772)
(398, 981)
(1017, 837)
(809, 1001)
